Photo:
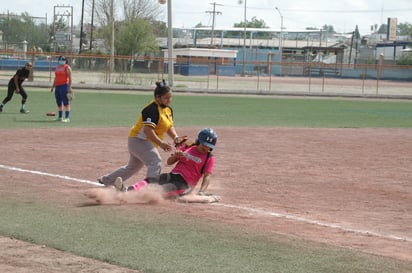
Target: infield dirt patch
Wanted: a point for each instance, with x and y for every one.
(345, 187)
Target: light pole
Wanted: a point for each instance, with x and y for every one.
(244, 38)
(280, 41)
(170, 68)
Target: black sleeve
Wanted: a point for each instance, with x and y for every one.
(150, 115)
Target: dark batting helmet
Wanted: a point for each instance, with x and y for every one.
(207, 137)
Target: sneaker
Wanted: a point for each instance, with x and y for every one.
(24, 111)
(66, 120)
(100, 180)
(118, 184)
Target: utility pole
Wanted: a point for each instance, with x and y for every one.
(91, 27)
(214, 12)
(81, 29)
(112, 39)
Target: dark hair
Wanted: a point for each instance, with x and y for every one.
(62, 58)
(161, 89)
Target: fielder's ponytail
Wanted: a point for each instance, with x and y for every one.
(161, 88)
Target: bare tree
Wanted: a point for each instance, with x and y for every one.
(132, 9)
(103, 11)
(145, 9)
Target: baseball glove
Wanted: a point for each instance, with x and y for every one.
(70, 95)
(179, 141)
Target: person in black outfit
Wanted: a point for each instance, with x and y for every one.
(15, 85)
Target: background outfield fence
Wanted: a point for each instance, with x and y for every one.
(294, 78)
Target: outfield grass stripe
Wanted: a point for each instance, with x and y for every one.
(256, 211)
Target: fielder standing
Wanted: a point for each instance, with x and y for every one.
(63, 88)
(16, 85)
(155, 120)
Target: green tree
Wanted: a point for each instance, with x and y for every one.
(405, 29)
(19, 28)
(328, 28)
(159, 28)
(253, 23)
(383, 29)
(405, 59)
(135, 36)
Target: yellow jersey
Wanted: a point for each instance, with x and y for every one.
(158, 117)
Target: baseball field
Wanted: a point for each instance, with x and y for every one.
(306, 185)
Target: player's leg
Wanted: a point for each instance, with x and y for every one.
(66, 103)
(10, 91)
(24, 96)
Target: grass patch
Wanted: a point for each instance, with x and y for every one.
(110, 109)
(151, 241)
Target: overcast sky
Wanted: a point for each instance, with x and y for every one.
(343, 15)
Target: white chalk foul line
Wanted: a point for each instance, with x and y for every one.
(244, 208)
(314, 222)
(50, 174)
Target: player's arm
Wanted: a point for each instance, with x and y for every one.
(151, 135)
(16, 82)
(69, 75)
(173, 158)
(172, 132)
(202, 196)
(205, 183)
(54, 85)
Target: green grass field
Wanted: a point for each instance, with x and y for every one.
(108, 109)
(183, 244)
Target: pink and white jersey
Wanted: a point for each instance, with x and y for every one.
(190, 166)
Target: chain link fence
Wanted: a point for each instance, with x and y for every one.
(141, 73)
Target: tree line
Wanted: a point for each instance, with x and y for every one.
(136, 25)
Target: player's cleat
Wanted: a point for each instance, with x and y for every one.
(58, 119)
(66, 120)
(118, 184)
(100, 180)
(24, 111)
(1, 109)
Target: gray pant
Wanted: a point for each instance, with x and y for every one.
(142, 153)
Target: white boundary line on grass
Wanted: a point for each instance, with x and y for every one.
(239, 207)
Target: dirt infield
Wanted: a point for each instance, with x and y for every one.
(346, 187)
